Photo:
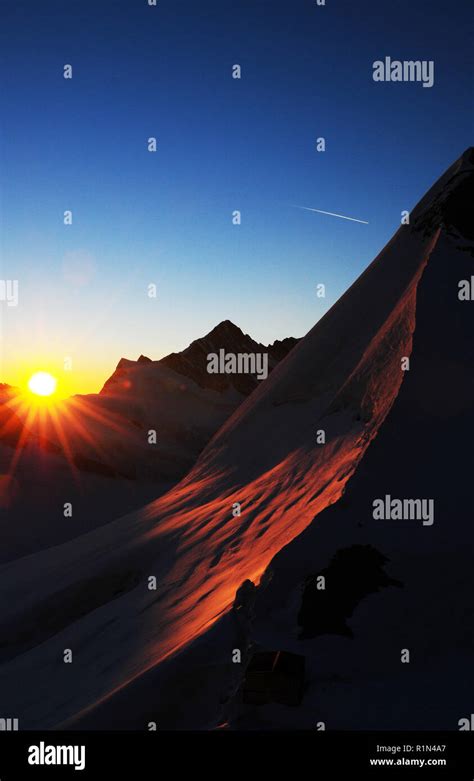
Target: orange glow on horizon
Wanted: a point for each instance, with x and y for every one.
(52, 423)
(83, 380)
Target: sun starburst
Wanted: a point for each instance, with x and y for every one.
(42, 384)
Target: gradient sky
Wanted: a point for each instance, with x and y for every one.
(223, 144)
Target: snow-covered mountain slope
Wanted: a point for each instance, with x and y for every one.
(345, 379)
(423, 451)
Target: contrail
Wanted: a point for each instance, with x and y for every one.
(332, 214)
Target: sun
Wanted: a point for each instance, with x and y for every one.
(42, 384)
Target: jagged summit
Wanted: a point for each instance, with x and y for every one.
(227, 328)
(192, 361)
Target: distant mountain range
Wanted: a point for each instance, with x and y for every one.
(192, 362)
(174, 396)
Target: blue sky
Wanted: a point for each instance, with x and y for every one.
(223, 145)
